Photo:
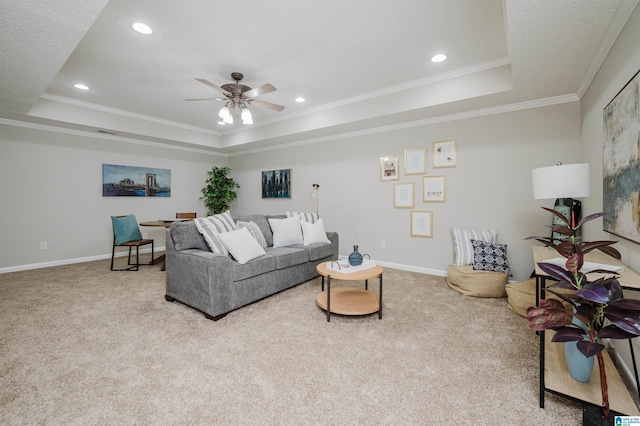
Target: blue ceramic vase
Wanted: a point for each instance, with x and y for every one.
(580, 366)
(355, 258)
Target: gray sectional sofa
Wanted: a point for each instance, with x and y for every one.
(216, 284)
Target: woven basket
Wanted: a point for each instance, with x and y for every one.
(470, 282)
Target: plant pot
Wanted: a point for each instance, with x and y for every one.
(580, 367)
(592, 416)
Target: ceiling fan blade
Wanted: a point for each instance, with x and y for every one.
(210, 84)
(206, 99)
(263, 104)
(265, 88)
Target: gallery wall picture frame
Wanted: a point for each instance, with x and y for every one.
(276, 183)
(389, 168)
(403, 197)
(415, 161)
(422, 223)
(445, 154)
(620, 168)
(433, 189)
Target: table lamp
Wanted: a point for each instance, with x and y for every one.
(564, 182)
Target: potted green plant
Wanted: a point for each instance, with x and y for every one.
(219, 190)
(591, 302)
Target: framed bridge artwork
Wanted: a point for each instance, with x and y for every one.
(132, 181)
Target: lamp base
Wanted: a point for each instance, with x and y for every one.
(572, 210)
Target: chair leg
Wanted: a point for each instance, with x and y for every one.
(113, 253)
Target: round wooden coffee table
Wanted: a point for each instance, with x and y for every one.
(349, 300)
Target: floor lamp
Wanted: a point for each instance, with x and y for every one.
(565, 183)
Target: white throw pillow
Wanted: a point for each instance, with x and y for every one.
(313, 233)
(286, 232)
(241, 244)
(462, 247)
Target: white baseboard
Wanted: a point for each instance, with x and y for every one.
(71, 261)
(409, 268)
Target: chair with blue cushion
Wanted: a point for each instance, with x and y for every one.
(126, 233)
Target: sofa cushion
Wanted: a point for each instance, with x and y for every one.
(257, 266)
(255, 232)
(318, 251)
(288, 256)
(286, 232)
(242, 245)
(313, 233)
(465, 280)
(186, 236)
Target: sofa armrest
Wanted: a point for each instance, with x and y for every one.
(335, 243)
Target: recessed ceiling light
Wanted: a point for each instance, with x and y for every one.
(81, 86)
(439, 57)
(300, 99)
(142, 28)
(222, 123)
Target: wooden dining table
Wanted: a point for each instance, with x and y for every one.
(165, 224)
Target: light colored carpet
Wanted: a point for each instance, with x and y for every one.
(82, 345)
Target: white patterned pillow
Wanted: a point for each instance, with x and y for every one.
(211, 226)
(490, 257)
(255, 232)
(313, 233)
(462, 247)
(305, 217)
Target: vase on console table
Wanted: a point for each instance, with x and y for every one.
(355, 258)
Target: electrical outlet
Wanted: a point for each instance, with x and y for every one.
(43, 245)
(145, 235)
(383, 244)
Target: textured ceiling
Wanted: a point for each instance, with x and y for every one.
(359, 63)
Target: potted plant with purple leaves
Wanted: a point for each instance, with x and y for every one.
(594, 310)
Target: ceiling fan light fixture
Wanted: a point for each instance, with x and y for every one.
(246, 116)
(224, 112)
(142, 28)
(439, 57)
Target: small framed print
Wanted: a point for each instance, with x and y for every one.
(422, 223)
(276, 183)
(415, 161)
(433, 188)
(403, 195)
(388, 168)
(445, 154)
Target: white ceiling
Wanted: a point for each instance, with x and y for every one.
(361, 64)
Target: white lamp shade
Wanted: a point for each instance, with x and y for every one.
(563, 181)
(246, 116)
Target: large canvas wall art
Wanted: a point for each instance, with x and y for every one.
(276, 183)
(621, 165)
(131, 181)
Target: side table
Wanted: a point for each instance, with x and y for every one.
(349, 300)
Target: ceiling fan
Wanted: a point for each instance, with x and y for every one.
(238, 97)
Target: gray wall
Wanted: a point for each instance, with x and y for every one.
(489, 188)
(622, 62)
(51, 192)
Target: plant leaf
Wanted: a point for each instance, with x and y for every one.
(594, 292)
(628, 321)
(568, 334)
(557, 272)
(614, 332)
(590, 348)
(630, 304)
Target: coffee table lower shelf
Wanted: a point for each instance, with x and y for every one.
(350, 301)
